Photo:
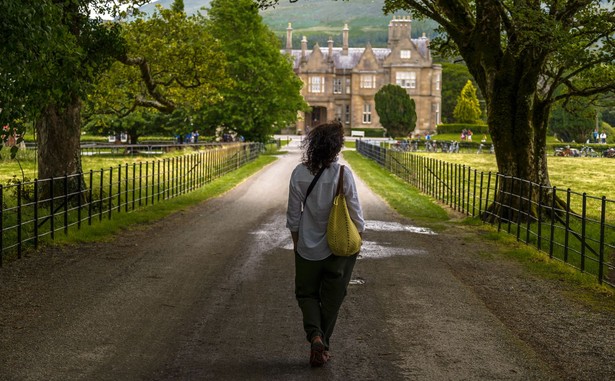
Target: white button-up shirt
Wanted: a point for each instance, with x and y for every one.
(312, 223)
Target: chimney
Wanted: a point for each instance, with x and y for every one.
(303, 47)
(345, 40)
(330, 42)
(289, 39)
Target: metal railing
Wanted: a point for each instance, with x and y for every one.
(32, 211)
(575, 228)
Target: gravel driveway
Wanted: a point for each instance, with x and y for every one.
(207, 294)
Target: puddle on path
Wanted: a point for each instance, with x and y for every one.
(388, 226)
(357, 281)
(379, 250)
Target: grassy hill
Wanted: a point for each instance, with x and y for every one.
(321, 19)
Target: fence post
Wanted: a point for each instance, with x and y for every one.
(35, 214)
(480, 195)
(583, 226)
(501, 196)
(101, 198)
(602, 225)
(19, 219)
(519, 211)
(529, 213)
(126, 184)
(52, 212)
(110, 191)
(80, 180)
(90, 198)
(146, 182)
(1, 224)
(65, 185)
(552, 233)
(488, 189)
(140, 181)
(158, 174)
(474, 195)
(568, 226)
(119, 188)
(539, 236)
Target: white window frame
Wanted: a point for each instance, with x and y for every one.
(405, 54)
(367, 113)
(316, 84)
(337, 86)
(348, 85)
(437, 81)
(368, 81)
(347, 114)
(406, 79)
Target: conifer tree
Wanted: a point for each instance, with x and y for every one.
(467, 109)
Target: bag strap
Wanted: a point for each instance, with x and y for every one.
(340, 183)
(314, 181)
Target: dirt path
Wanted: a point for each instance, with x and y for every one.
(208, 294)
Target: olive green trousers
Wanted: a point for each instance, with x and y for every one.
(320, 288)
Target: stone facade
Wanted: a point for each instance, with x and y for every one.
(340, 82)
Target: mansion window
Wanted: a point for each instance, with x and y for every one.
(347, 114)
(367, 113)
(405, 54)
(436, 108)
(348, 86)
(437, 81)
(338, 113)
(316, 84)
(368, 81)
(406, 79)
(337, 86)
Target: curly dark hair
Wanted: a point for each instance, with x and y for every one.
(324, 142)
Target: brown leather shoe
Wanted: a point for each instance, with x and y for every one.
(317, 353)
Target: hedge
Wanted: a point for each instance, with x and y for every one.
(371, 132)
(456, 128)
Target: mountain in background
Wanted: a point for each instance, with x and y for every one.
(320, 19)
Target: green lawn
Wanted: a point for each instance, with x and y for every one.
(594, 176)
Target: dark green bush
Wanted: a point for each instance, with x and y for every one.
(456, 128)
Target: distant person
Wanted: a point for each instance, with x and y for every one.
(195, 136)
(321, 278)
(603, 137)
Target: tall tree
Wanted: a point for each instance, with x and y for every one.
(266, 95)
(52, 52)
(396, 110)
(524, 56)
(467, 109)
(454, 77)
(170, 62)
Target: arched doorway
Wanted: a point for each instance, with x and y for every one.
(315, 117)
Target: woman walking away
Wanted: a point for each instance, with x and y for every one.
(321, 278)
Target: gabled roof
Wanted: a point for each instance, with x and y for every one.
(350, 60)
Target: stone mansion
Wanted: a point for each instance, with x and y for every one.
(340, 82)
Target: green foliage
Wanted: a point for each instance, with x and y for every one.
(172, 64)
(397, 111)
(467, 109)
(454, 78)
(574, 122)
(372, 132)
(266, 95)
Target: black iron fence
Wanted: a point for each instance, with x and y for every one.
(32, 211)
(575, 228)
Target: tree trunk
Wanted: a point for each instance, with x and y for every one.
(517, 120)
(59, 154)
